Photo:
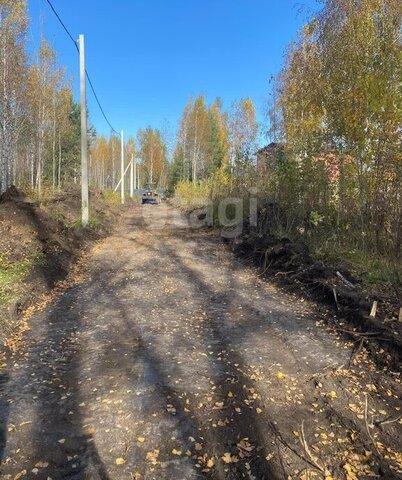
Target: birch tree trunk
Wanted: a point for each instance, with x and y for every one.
(54, 144)
(59, 170)
(4, 121)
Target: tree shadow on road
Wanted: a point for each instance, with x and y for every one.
(58, 446)
(60, 437)
(254, 431)
(4, 412)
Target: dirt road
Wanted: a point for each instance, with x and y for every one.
(173, 360)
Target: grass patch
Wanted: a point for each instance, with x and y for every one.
(93, 222)
(76, 223)
(112, 197)
(370, 268)
(11, 274)
(59, 216)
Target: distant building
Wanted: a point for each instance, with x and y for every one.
(331, 161)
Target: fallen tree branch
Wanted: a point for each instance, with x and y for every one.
(292, 449)
(359, 334)
(346, 282)
(313, 459)
(379, 423)
(336, 299)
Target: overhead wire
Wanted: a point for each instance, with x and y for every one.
(86, 71)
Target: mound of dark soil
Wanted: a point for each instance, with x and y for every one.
(11, 194)
(292, 265)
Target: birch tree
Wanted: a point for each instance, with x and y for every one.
(243, 130)
(153, 155)
(13, 27)
(218, 137)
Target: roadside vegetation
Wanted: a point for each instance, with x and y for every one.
(333, 166)
(12, 274)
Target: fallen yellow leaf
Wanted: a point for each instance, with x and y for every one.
(228, 458)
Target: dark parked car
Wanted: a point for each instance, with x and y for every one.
(150, 196)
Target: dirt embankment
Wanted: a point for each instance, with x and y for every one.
(39, 242)
(291, 265)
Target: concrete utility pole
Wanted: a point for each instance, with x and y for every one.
(122, 168)
(138, 177)
(84, 133)
(132, 176)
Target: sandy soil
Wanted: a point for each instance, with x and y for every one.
(173, 360)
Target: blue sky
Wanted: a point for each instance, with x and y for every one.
(146, 58)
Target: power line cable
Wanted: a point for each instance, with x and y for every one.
(63, 25)
(86, 71)
(99, 104)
